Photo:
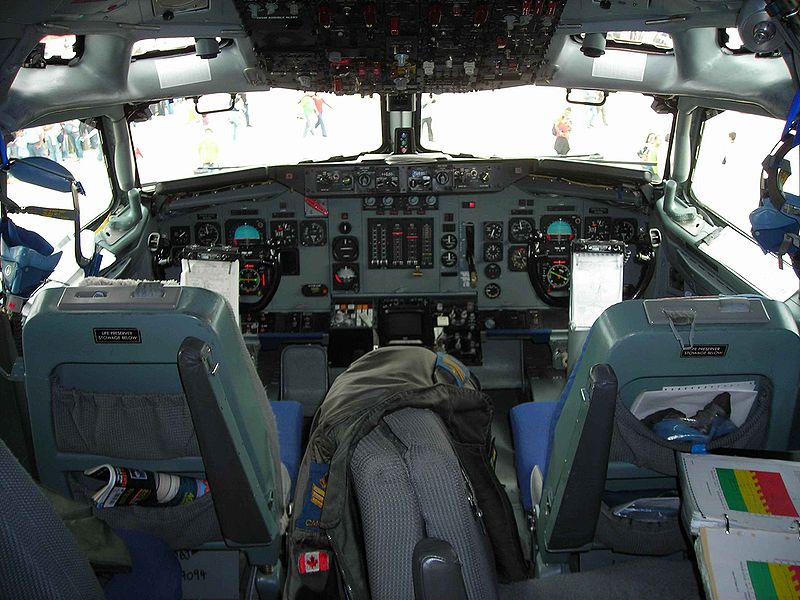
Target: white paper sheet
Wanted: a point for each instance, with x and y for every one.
(690, 398)
(215, 275)
(596, 284)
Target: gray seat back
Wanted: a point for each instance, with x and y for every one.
(410, 486)
(102, 377)
(40, 557)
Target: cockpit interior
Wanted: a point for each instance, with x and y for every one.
(384, 300)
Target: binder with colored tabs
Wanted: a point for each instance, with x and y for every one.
(740, 493)
(749, 564)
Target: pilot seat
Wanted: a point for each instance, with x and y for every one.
(157, 377)
(647, 345)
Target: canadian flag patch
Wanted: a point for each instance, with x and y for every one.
(313, 562)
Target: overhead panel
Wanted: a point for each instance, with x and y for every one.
(361, 47)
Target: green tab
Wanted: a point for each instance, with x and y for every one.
(730, 488)
(762, 580)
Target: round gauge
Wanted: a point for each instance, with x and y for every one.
(625, 231)
(493, 252)
(207, 234)
(249, 281)
(430, 200)
(413, 200)
(519, 230)
(285, 232)
(345, 277)
(492, 271)
(492, 291)
(364, 179)
(493, 230)
(370, 201)
(180, 236)
(559, 230)
(598, 229)
(449, 259)
(558, 276)
(345, 247)
(449, 241)
(442, 177)
(518, 258)
(312, 233)
(387, 201)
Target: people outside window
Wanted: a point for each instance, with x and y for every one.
(427, 120)
(309, 114)
(245, 108)
(33, 137)
(649, 152)
(731, 142)
(561, 130)
(319, 104)
(208, 149)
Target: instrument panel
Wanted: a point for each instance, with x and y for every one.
(364, 235)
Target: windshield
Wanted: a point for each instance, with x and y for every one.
(266, 128)
(538, 121)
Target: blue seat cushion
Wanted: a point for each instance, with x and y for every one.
(155, 573)
(289, 419)
(531, 424)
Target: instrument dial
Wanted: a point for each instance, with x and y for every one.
(313, 233)
(345, 277)
(413, 200)
(370, 202)
(345, 247)
(180, 236)
(493, 230)
(207, 234)
(493, 252)
(430, 201)
(492, 271)
(519, 230)
(449, 241)
(598, 229)
(492, 291)
(625, 230)
(249, 280)
(449, 259)
(284, 232)
(518, 258)
(558, 276)
(387, 201)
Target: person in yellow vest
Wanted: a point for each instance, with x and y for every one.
(209, 150)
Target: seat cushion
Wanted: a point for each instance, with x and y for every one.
(155, 573)
(289, 419)
(531, 424)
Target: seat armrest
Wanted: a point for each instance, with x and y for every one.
(437, 571)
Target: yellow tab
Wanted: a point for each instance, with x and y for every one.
(750, 492)
(783, 582)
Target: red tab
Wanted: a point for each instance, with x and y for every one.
(313, 562)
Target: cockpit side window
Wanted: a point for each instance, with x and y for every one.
(77, 145)
(727, 172)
